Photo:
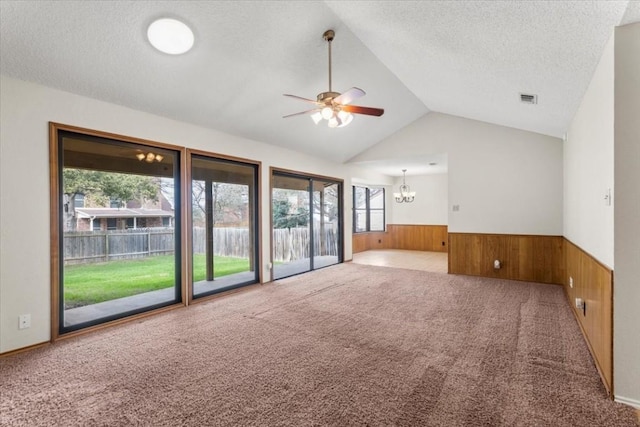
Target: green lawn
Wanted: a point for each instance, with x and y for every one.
(92, 283)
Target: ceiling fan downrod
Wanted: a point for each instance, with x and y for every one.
(328, 36)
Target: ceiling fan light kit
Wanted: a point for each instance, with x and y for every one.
(333, 106)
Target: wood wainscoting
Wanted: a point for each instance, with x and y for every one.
(593, 283)
(522, 257)
(400, 236)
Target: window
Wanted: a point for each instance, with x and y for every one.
(368, 209)
(111, 272)
(78, 201)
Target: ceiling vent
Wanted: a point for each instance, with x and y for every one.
(526, 98)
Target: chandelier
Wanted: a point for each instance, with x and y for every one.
(405, 195)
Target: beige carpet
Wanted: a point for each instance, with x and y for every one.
(345, 345)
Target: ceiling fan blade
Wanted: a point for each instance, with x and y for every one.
(302, 112)
(302, 99)
(369, 111)
(349, 95)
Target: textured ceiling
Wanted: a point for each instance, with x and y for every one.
(466, 58)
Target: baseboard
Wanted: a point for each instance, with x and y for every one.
(626, 401)
(23, 349)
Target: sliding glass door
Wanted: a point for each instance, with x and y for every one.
(119, 223)
(224, 216)
(306, 223)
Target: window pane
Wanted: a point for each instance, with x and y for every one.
(376, 198)
(224, 211)
(361, 220)
(111, 268)
(360, 200)
(377, 221)
(326, 205)
(291, 225)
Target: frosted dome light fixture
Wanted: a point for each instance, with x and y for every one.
(170, 36)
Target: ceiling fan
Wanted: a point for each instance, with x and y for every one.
(334, 106)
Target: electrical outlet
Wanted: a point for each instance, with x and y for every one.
(456, 208)
(571, 282)
(24, 321)
(579, 303)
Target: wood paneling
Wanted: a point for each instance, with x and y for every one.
(399, 236)
(522, 257)
(593, 283)
(373, 240)
(431, 238)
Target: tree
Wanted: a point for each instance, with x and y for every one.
(228, 200)
(286, 217)
(102, 187)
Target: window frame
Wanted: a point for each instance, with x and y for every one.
(58, 330)
(190, 155)
(367, 209)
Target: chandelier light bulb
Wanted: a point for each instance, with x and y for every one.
(327, 113)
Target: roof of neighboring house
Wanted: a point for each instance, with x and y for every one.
(121, 213)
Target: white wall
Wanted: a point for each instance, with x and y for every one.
(25, 110)
(588, 166)
(429, 206)
(626, 334)
(504, 180)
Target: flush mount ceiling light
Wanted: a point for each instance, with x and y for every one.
(150, 157)
(405, 195)
(170, 36)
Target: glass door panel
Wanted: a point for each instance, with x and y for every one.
(326, 223)
(291, 226)
(224, 234)
(120, 228)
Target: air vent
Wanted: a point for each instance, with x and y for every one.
(528, 99)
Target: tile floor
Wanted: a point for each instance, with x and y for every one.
(411, 260)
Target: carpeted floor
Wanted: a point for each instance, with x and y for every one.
(345, 345)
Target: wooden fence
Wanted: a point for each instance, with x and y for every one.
(289, 244)
(99, 246)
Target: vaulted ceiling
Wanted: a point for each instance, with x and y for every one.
(466, 58)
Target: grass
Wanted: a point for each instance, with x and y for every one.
(93, 283)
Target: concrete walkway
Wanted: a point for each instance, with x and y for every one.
(301, 266)
(102, 310)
